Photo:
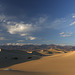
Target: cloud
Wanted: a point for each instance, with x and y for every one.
(3, 38)
(42, 19)
(72, 23)
(65, 34)
(2, 18)
(23, 34)
(58, 23)
(15, 43)
(61, 33)
(39, 20)
(61, 23)
(23, 44)
(73, 16)
(30, 38)
(20, 41)
(21, 28)
(26, 29)
(13, 29)
(48, 41)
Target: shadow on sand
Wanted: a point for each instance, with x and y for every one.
(9, 58)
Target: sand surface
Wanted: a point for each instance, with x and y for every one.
(60, 64)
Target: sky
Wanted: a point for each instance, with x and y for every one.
(37, 22)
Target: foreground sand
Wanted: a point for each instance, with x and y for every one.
(60, 64)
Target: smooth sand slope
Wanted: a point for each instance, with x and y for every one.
(60, 64)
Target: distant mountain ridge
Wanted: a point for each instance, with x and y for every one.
(37, 47)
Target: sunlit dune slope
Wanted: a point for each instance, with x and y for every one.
(57, 63)
(48, 52)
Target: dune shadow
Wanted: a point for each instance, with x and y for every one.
(16, 72)
(9, 58)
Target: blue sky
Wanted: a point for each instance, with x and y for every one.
(37, 22)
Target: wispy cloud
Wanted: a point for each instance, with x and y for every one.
(42, 19)
(62, 33)
(24, 34)
(73, 23)
(65, 34)
(58, 23)
(23, 44)
(39, 20)
(31, 38)
(20, 41)
(48, 41)
(3, 38)
(2, 18)
(61, 23)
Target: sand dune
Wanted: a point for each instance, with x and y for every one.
(8, 58)
(59, 64)
(20, 73)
